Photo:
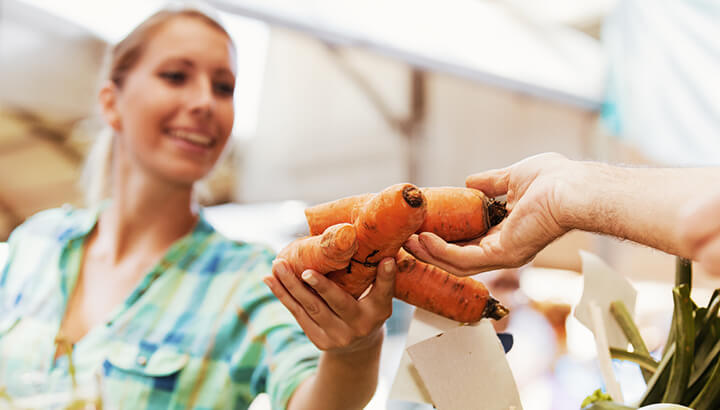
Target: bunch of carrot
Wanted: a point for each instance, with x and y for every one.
(350, 236)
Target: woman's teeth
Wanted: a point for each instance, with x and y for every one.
(192, 137)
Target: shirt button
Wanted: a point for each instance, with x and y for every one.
(142, 360)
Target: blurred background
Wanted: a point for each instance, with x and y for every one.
(336, 98)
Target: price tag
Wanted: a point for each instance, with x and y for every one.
(602, 286)
(408, 384)
(465, 368)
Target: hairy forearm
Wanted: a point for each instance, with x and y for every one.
(640, 204)
(343, 381)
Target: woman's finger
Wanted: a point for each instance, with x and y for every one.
(312, 330)
(383, 290)
(341, 302)
(315, 307)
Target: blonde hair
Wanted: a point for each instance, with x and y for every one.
(96, 176)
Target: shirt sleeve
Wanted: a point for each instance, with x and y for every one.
(26, 242)
(12, 246)
(287, 356)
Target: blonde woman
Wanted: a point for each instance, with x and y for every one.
(172, 314)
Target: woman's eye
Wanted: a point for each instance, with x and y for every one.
(175, 77)
(225, 88)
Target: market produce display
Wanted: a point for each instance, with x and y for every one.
(688, 373)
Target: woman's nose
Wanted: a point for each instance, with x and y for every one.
(202, 101)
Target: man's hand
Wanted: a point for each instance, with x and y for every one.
(699, 231)
(535, 189)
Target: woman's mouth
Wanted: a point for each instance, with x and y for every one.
(195, 138)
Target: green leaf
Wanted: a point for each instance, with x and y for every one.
(711, 313)
(656, 385)
(596, 396)
(685, 345)
(704, 360)
(646, 362)
(622, 316)
(608, 405)
(710, 393)
(683, 272)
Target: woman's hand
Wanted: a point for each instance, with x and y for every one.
(533, 188)
(331, 318)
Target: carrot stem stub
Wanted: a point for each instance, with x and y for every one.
(438, 291)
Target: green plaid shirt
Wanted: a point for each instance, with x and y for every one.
(200, 331)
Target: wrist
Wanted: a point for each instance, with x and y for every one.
(367, 350)
(578, 195)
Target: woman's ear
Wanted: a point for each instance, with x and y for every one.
(108, 105)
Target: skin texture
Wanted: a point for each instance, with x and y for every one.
(350, 333)
(700, 232)
(549, 195)
(184, 81)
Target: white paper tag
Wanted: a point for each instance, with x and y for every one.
(465, 368)
(603, 286)
(603, 353)
(408, 385)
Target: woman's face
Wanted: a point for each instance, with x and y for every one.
(175, 107)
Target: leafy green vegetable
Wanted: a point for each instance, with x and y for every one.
(646, 362)
(596, 396)
(624, 320)
(684, 345)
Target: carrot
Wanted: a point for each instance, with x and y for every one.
(459, 214)
(453, 213)
(383, 223)
(438, 291)
(324, 253)
(321, 216)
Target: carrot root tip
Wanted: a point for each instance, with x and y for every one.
(494, 309)
(496, 211)
(413, 196)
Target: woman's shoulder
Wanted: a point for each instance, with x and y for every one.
(237, 254)
(56, 222)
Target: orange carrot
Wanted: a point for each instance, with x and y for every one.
(383, 224)
(438, 291)
(324, 253)
(321, 216)
(453, 213)
(458, 214)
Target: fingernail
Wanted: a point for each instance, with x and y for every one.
(282, 269)
(387, 266)
(268, 282)
(422, 240)
(426, 239)
(308, 277)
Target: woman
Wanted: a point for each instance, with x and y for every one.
(173, 314)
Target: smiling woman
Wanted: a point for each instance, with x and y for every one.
(169, 312)
(186, 60)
